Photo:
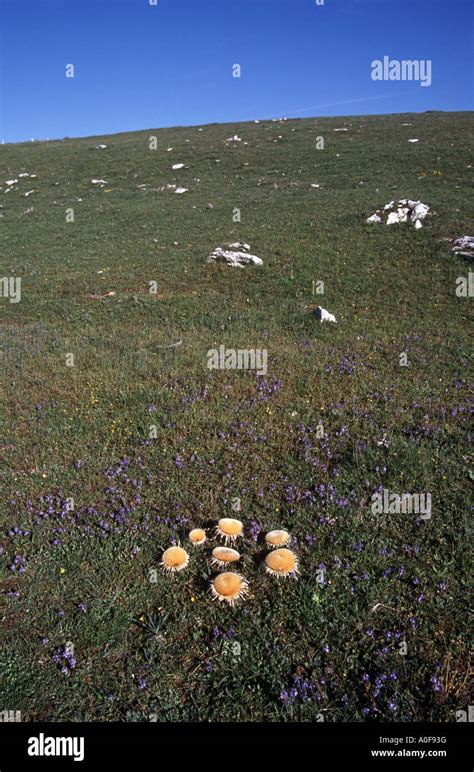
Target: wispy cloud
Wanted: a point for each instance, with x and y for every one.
(358, 100)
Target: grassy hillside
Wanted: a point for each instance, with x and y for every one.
(91, 500)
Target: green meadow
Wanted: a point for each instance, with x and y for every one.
(115, 442)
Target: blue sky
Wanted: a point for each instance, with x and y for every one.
(139, 66)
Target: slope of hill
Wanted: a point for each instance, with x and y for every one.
(118, 442)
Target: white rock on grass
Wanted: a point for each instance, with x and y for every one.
(464, 242)
(239, 245)
(100, 147)
(236, 255)
(235, 138)
(11, 182)
(464, 246)
(181, 190)
(413, 140)
(99, 182)
(401, 215)
(178, 166)
(420, 211)
(405, 210)
(323, 315)
(374, 218)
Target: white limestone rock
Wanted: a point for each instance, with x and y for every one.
(324, 316)
(464, 246)
(405, 210)
(237, 255)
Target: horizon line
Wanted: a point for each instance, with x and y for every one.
(228, 123)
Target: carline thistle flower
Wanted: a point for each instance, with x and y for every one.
(229, 529)
(281, 562)
(174, 559)
(229, 588)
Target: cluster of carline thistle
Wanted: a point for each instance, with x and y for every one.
(229, 587)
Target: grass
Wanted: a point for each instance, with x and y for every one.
(95, 501)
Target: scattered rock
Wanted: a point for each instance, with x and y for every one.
(94, 296)
(99, 182)
(404, 210)
(181, 190)
(235, 138)
(11, 182)
(236, 255)
(239, 245)
(413, 140)
(374, 218)
(323, 316)
(464, 246)
(178, 166)
(401, 215)
(100, 147)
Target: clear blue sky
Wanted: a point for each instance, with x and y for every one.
(140, 67)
